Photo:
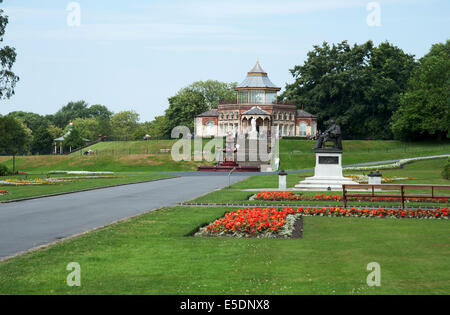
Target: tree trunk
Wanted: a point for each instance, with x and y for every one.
(14, 165)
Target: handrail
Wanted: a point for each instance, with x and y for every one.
(229, 177)
(402, 188)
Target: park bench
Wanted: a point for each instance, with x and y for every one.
(402, 195)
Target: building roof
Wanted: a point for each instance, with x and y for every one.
(255, 110)
(302, 114)
(211, 113)
(257, 78)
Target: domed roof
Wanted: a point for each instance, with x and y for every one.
(257, 78)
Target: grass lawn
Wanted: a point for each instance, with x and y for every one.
(145, 156)
(421, 172)
(151, 254)
(26, 191)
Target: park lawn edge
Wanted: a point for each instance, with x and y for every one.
(87, 189)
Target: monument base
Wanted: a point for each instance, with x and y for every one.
(327, 174)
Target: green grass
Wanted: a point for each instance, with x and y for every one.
(296, 155)
(145, 156)
(151, 254)
(27, 191)
(423, 172)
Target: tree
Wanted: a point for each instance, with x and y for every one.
(32, 120)
(74, 140)
(42, 141)
(183, 109)
(159, 128)
(99, 112)
(213, 91)
(8, 55)
(70, 112)
(89, 128)
(358, 86)
(14, 138)
(424, 111)
(124, 123)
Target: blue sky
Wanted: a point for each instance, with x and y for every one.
(135, 54)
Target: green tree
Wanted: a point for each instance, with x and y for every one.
(358, 86)
(32, 120)
(424, 111)
(183, 109)
(213, 91)
(55, 132)
(100, 112)
(159, 128)
(89, 128)
(14, 137)
(74, 140)
(446, 171)
(42, 141)
(124, 123)
(8, 55)
(70, 112)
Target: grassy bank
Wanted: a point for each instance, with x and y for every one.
(146, 156)
(151, 254)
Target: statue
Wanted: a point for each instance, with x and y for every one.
(333, 133)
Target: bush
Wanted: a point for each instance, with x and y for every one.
(446, 170)
(4, 171)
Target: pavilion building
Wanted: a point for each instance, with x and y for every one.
(256, 106)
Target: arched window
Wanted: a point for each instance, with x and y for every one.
(302, 128)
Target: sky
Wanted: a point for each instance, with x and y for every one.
(135, 54)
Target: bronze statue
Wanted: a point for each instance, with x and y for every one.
(333, 133)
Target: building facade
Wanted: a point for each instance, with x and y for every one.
(256, 109)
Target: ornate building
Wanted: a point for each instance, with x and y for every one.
(256, 106)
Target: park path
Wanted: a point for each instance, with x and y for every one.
(29, 224)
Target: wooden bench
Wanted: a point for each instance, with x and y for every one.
(402, 188)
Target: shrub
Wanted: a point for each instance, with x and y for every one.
(4, 171)
(446, 170)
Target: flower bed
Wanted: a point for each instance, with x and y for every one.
(3, 192)
(278, 196)
(78, 173)
(35, 181)
(372, 213)
(257, 222)
(395, 165)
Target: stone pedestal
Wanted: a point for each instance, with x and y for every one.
(328, 172)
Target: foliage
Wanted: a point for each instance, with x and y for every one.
(32, 120)
(357, 86)
(14, 137)
(183, 109)
(159, 128)
(446, 170)
(124, 123)
(8, 55)
(424, 112)
(42, 141)
(80, 109)
(74, 140)
(89, 128)
(4, 170)
(213, 91)
(55, 132)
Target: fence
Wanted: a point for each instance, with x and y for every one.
(402, 192)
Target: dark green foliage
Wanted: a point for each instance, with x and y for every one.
(42, 141)
(73, 140)
(8, 55)
(14, 139)
(357, 86)
(424, 112)
(4, 171)
(446, 170)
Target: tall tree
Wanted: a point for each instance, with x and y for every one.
(124, 123)
(70, 112)
(8, 55)
(424, 112)
(183, 109)
(14, 137)
(213, 91)
(358, 86)
(42, 141)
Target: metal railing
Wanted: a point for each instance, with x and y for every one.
(401, 195)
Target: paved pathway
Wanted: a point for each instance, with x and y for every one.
(28, 224)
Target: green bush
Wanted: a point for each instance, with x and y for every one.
(446, 170)
(4, 171)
